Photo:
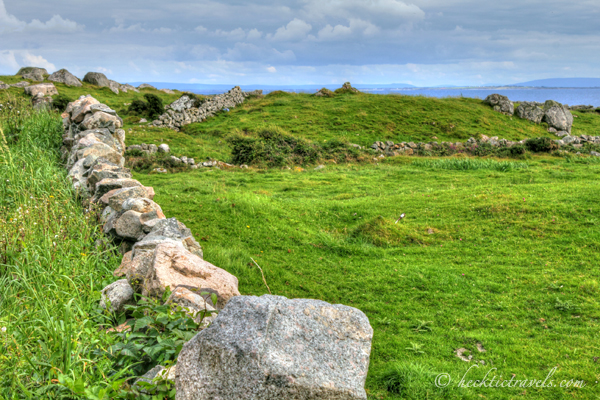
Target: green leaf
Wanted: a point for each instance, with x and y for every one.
(142, 323)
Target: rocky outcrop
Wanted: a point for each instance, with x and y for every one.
(185, 110)
(45, 89)
(64, 76)
(146, 86)
(4, 86)
(500, 104)
(21, 84)
(270, 347)
(530, 111)
(28, 70)
(324, 92)
(96, 78)
(347, 87)
(558, 116)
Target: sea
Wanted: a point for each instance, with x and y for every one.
(570, 96)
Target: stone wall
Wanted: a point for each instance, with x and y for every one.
(161, 254)
(186, 109)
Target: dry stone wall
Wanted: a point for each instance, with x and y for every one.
(185, 110)
(161, 254)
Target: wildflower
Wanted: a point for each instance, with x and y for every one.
(83, 254)
(3, 329)
(247, 226)
(51, 197)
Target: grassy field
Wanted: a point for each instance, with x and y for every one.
(497, 253)
(505, 257)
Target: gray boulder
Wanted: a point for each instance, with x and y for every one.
(146, 86)
(558, 116)
(96, 78)
(4, 86)
(182, 103)
(272, 348)
(64, 76)
(164, 148)
(21, 84)
(500, 104)
(43, 89)
(114, 86)
(117, 294)
(530, 111)
(28, 70)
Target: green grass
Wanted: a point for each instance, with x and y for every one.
(488, 255)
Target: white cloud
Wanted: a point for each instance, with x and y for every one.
(272, 70)
(295, 30)
(200, 29)
(340, 32)
(37, 61)
(103, 70)
(353, 8)
(121, 28)
(236, 34)
(10, 23)
(8, 61)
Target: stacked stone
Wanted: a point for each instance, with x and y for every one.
(183, 111)
(391, 149)
(161, 254)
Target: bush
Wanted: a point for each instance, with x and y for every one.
(155, 105)
(138, 107)
(61, 102)
(274, 147)
(541, 145)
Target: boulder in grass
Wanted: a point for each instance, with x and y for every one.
(117, 294)
(146, 86)
(173, 265)
(530, 111)
(96, 78)
(64, 76)
(500, 104)
(558, 116)
(43, 89)
(37, 74)
(272, 348)
(114, 86)
(28, 70)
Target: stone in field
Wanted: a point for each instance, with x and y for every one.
(272, 348)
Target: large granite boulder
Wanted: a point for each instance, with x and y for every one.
(64, 76)
(4, 86)
(558, 116)
(43, 89)
(173, 265)
(28, 70)
(96, 78)
(272, 348)
(114, 86)
(500, 104)
(146, 86)
(182, 103)
(530, 111)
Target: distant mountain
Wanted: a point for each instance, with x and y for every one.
(562, 82)
(221, 88)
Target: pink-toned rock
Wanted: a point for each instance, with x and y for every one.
(128, 226)
(45, 89)
(141, 205)
(151, 193)
(116, 198)
(125, 264)
(173, 266)
(102, 120)
(79, 108)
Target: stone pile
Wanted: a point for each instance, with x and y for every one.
(556, 115)
(257, 348)
(185, 110)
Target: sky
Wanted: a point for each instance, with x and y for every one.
(419, 42)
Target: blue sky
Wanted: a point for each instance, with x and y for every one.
(421, 42)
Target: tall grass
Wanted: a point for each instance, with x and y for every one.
(467, 164)
(51, 270)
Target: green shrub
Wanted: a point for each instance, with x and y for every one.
(274, 147)
(61, 102)
(138, 107)
(541, 145)
(155, 105)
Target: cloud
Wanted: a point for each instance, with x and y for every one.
(121, 28)
(272, 70)
(236, 34)
(10, 23)
(200, 29)
(251, 52)
(353, 8)
(103, 70)
(295, 30)
(8, 61)
(37, 61)
(340, 32)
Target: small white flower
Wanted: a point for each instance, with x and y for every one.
(3, 329)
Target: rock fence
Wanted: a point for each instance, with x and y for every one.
(187, 110)
(257, 348)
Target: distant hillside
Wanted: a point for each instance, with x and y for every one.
(562, 82)
(209, 89)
